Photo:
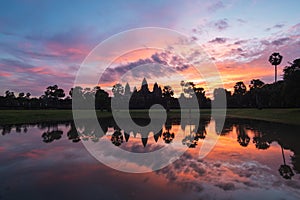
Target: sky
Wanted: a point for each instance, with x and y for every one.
(44, 43)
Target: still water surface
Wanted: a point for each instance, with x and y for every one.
(49, 161)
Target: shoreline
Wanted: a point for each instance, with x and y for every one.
(286, 116)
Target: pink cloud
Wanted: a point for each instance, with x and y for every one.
(74, 53)
(5, 74)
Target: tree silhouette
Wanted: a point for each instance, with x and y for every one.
(219, 94)
(54, 92)
(275, 59)
(118, 90)
(239, 88)
(200, 95)
(21, 95)
(292, 69)
(285, 170)
(167, 94)
(188, 89)
(255, 86)
(256, 83)
(51, 96)
(239, 93)
(291, 89)
(101, 99)
(9, 94)
(284, 94)
(28, 94)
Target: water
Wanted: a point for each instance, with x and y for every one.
(49, 161)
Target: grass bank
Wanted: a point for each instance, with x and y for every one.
(34, 116)
(288, 116)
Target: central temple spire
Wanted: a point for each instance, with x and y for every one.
(145, 88)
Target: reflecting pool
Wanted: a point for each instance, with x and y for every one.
(251, 160)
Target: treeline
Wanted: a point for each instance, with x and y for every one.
(123, 98)
(280, 94)
(55, 98)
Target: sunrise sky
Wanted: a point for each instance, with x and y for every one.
(43, 43)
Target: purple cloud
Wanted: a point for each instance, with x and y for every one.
(240, 42)
(114, 74)
(236, 51)
(280, 41)
(157, 58)
(221, 24)
(219, 40)
(215, 6)
(276, 26)
(163, 58)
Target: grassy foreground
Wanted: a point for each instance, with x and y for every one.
(288, 116)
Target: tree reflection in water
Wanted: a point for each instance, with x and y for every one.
(261, 141)
(262, 134)
(73, 134)
(242, 136)
(52, 133)
(190, 141)
(50, 136)
(167, 135)
(117, 138)
(285, 170)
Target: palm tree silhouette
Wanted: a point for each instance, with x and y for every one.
(285, 170)
(275, 59)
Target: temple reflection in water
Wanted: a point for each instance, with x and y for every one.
(261, 134)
